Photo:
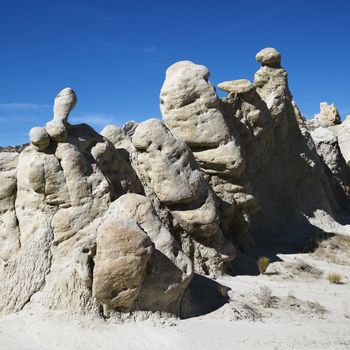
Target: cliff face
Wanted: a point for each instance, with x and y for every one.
(121, 221)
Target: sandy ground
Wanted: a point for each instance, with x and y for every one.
(293, 306)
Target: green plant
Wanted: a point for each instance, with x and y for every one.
(263, 262)
(334, 277)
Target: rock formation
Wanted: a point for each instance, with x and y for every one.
(127, 220)
(328, 116)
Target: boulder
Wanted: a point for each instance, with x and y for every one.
(39, 138)
(269, 57)
(328, 116)
(190, 106)
(226, 159)
(239, 86)
(123, 251)
(167, 163)
(170, 270)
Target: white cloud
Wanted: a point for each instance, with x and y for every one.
(23, 106)
(93, 118)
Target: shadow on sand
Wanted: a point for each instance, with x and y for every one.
(203, 296)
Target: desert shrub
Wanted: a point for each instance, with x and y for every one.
(263, 262)
(334, 277)
(335, 250)
(303, 267)
(265, 297)
(316, 307)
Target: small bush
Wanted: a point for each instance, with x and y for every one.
(263, 263)
(265, 297)
(303, 267)
(335, 278)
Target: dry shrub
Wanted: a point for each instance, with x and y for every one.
(265, 297)
(334, 278)
(303, 267)
(335, 250)
(263, 262)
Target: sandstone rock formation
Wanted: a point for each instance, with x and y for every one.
(342, 132)
(128, 219)
(328, 116)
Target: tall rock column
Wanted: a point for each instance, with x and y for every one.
(195, 114)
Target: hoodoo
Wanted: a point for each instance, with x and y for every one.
(128, 220)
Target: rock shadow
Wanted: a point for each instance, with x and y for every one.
(203, 296)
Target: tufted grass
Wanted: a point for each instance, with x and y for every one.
(334, 278)
(263, 262)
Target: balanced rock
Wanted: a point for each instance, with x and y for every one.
(239, 86)
(269, 57)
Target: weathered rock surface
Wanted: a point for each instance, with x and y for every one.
(9, 233)
(123, 251)
(169, 270)
(239, 86)
(167, 163)
(222, 156)
(328, 148)
(328, 116)
(269, 57)
(190, 106)
(342, 132)
(101, 224)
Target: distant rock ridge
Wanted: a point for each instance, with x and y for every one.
(128, 219)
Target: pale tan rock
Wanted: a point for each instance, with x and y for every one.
(190, 106)
(272, 86)
(328, 148)
(203, 221)
(123, 251)
(342, 132)
(112, 133)
(269, 57)
(8, 161)
(299, 117)
(170, 270)
(120, 137)
(189, 102)
(167, 163)
(57, 130)
(328, 116)
(65, 101)
(9, 232)
(39, 138)
(75, 237)
(226, 159)
(236, 86)
(30, 199)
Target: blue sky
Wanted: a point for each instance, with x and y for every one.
(114, 53)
